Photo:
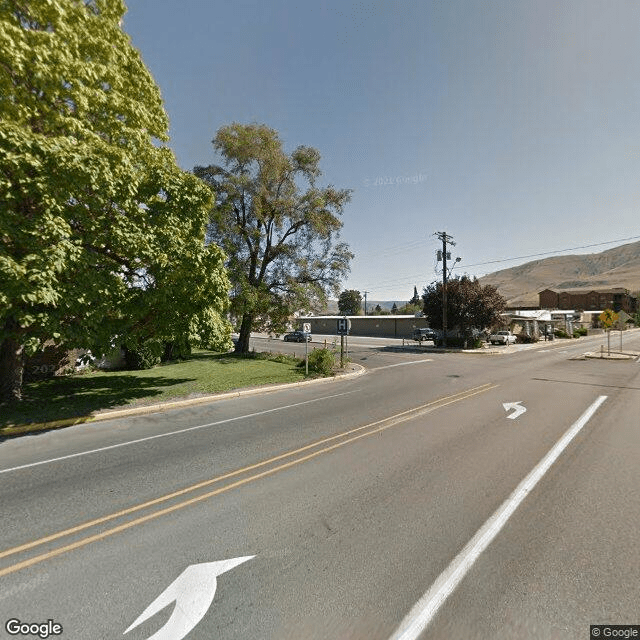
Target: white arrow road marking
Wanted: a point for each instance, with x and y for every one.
(519, 409)
(193, 592)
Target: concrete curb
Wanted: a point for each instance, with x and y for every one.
(614, 355)
(177, 404)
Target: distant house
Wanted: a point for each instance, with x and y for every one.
(617, 298)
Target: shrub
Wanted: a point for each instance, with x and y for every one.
(580, 331)
(523, 338)
(179, 349)
(282, 358)
(321, 361)
(457, 342)
(144, 356)
(561, 333)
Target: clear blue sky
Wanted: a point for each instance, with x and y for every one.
(512, 125)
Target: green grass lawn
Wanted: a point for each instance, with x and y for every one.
(84, 393)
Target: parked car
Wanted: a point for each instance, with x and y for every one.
(424, 334)
(297, 336)
(502, 337)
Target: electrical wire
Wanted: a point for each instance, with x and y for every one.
(547, 253)
(393, 283)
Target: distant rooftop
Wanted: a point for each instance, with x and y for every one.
(587, 290)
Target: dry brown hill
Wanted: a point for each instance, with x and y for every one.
(617, 267)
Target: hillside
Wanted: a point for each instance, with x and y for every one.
(617, 267)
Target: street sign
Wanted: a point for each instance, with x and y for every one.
(306, 327)
(344, 324)
(608, 318)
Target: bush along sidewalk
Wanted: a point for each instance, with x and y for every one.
(322, 362)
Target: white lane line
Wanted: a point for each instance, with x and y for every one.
(401, 364)
(426, 608)
(353, 346)
(173, 433)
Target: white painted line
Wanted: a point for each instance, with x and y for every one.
(402, 364)
(173, 433)
(356, 345)
(426, 608)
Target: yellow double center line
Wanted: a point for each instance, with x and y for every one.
(347, 437)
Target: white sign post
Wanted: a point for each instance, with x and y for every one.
(306, 328)
(344, 324)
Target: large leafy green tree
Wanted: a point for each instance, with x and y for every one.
(102, 236)
(350, 302)
(470, 306)
(279, 229)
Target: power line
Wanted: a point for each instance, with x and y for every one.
(394, 283)
(548, 253)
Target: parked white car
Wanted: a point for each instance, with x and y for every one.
(502, 337)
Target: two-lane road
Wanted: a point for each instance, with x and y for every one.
(346, 502)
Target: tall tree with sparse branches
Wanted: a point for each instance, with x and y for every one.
(280, 230)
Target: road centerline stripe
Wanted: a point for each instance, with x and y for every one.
(423, 612)
(384, 423)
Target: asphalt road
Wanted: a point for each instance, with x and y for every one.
(406, 503)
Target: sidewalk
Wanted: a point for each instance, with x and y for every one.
(488, 349)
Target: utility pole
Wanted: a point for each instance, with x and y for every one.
(365, 301)
(446, 239)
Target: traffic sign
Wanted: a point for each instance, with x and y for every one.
(306, 327)
(608, 318)
(344, 324)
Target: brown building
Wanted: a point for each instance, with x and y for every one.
(617, 299)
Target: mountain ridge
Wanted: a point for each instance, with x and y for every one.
(616, 267)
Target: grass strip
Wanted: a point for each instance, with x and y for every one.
(85, 393)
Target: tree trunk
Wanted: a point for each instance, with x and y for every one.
(11, 369)
(245, 333)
